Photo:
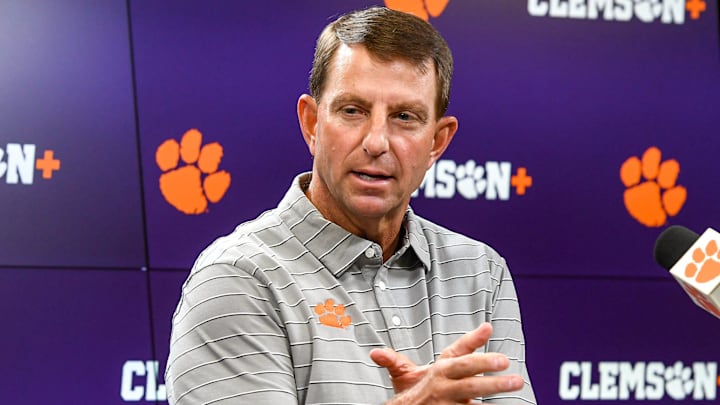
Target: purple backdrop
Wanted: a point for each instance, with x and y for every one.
(68, 335)
(65, 86)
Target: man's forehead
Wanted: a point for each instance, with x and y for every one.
(351, 73)
(346, 51)
(358, 60)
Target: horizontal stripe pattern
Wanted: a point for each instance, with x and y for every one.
(246, 328)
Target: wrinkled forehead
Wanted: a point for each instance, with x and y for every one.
(426, 66)
(351, 63)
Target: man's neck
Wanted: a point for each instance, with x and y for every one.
(385, 231)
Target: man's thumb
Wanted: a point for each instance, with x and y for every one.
(397, 364)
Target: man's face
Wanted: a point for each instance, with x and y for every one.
(373, 135)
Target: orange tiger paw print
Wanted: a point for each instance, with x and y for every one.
(704, 268)
(184, 188)
(651, 201)
(708, 266)
(420, 8)
(333, 315)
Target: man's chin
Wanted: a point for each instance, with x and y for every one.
(374, 207)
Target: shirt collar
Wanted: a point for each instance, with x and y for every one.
(336, 248)
(416, 237)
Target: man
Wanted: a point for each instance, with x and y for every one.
(342, 294)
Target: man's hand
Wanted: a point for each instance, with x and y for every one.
(453, 378)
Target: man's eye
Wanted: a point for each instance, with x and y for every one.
(405, 116)
(351, 110)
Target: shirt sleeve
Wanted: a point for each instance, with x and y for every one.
(508, 338)
(228, 344)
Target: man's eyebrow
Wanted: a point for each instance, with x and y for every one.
(348, 98)
(417, 107)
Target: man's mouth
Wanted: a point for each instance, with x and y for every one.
(371, 177)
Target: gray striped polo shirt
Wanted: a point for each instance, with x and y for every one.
(286, 309)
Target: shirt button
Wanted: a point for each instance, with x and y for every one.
(396, 320)
(382, 285)
(369, 253)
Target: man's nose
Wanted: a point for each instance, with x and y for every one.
(375, 142)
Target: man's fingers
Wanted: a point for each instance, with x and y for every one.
(484, 386)
(397, 364)
(468, 342)
(474, 364)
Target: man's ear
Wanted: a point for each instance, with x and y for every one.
(444, 131)
(307, 116)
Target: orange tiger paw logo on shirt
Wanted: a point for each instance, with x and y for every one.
(189, 188)
(333, 315)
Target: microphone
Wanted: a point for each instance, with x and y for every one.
(694, 261)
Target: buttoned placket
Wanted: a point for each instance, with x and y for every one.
(392, 315)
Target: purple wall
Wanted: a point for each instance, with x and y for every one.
(92, 258)
(66, 87)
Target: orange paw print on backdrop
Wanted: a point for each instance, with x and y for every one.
(420, 8)
(333, 315)
(184, 187)
(651, 201)
(704, 268)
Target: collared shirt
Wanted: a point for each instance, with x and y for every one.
(287, 308)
